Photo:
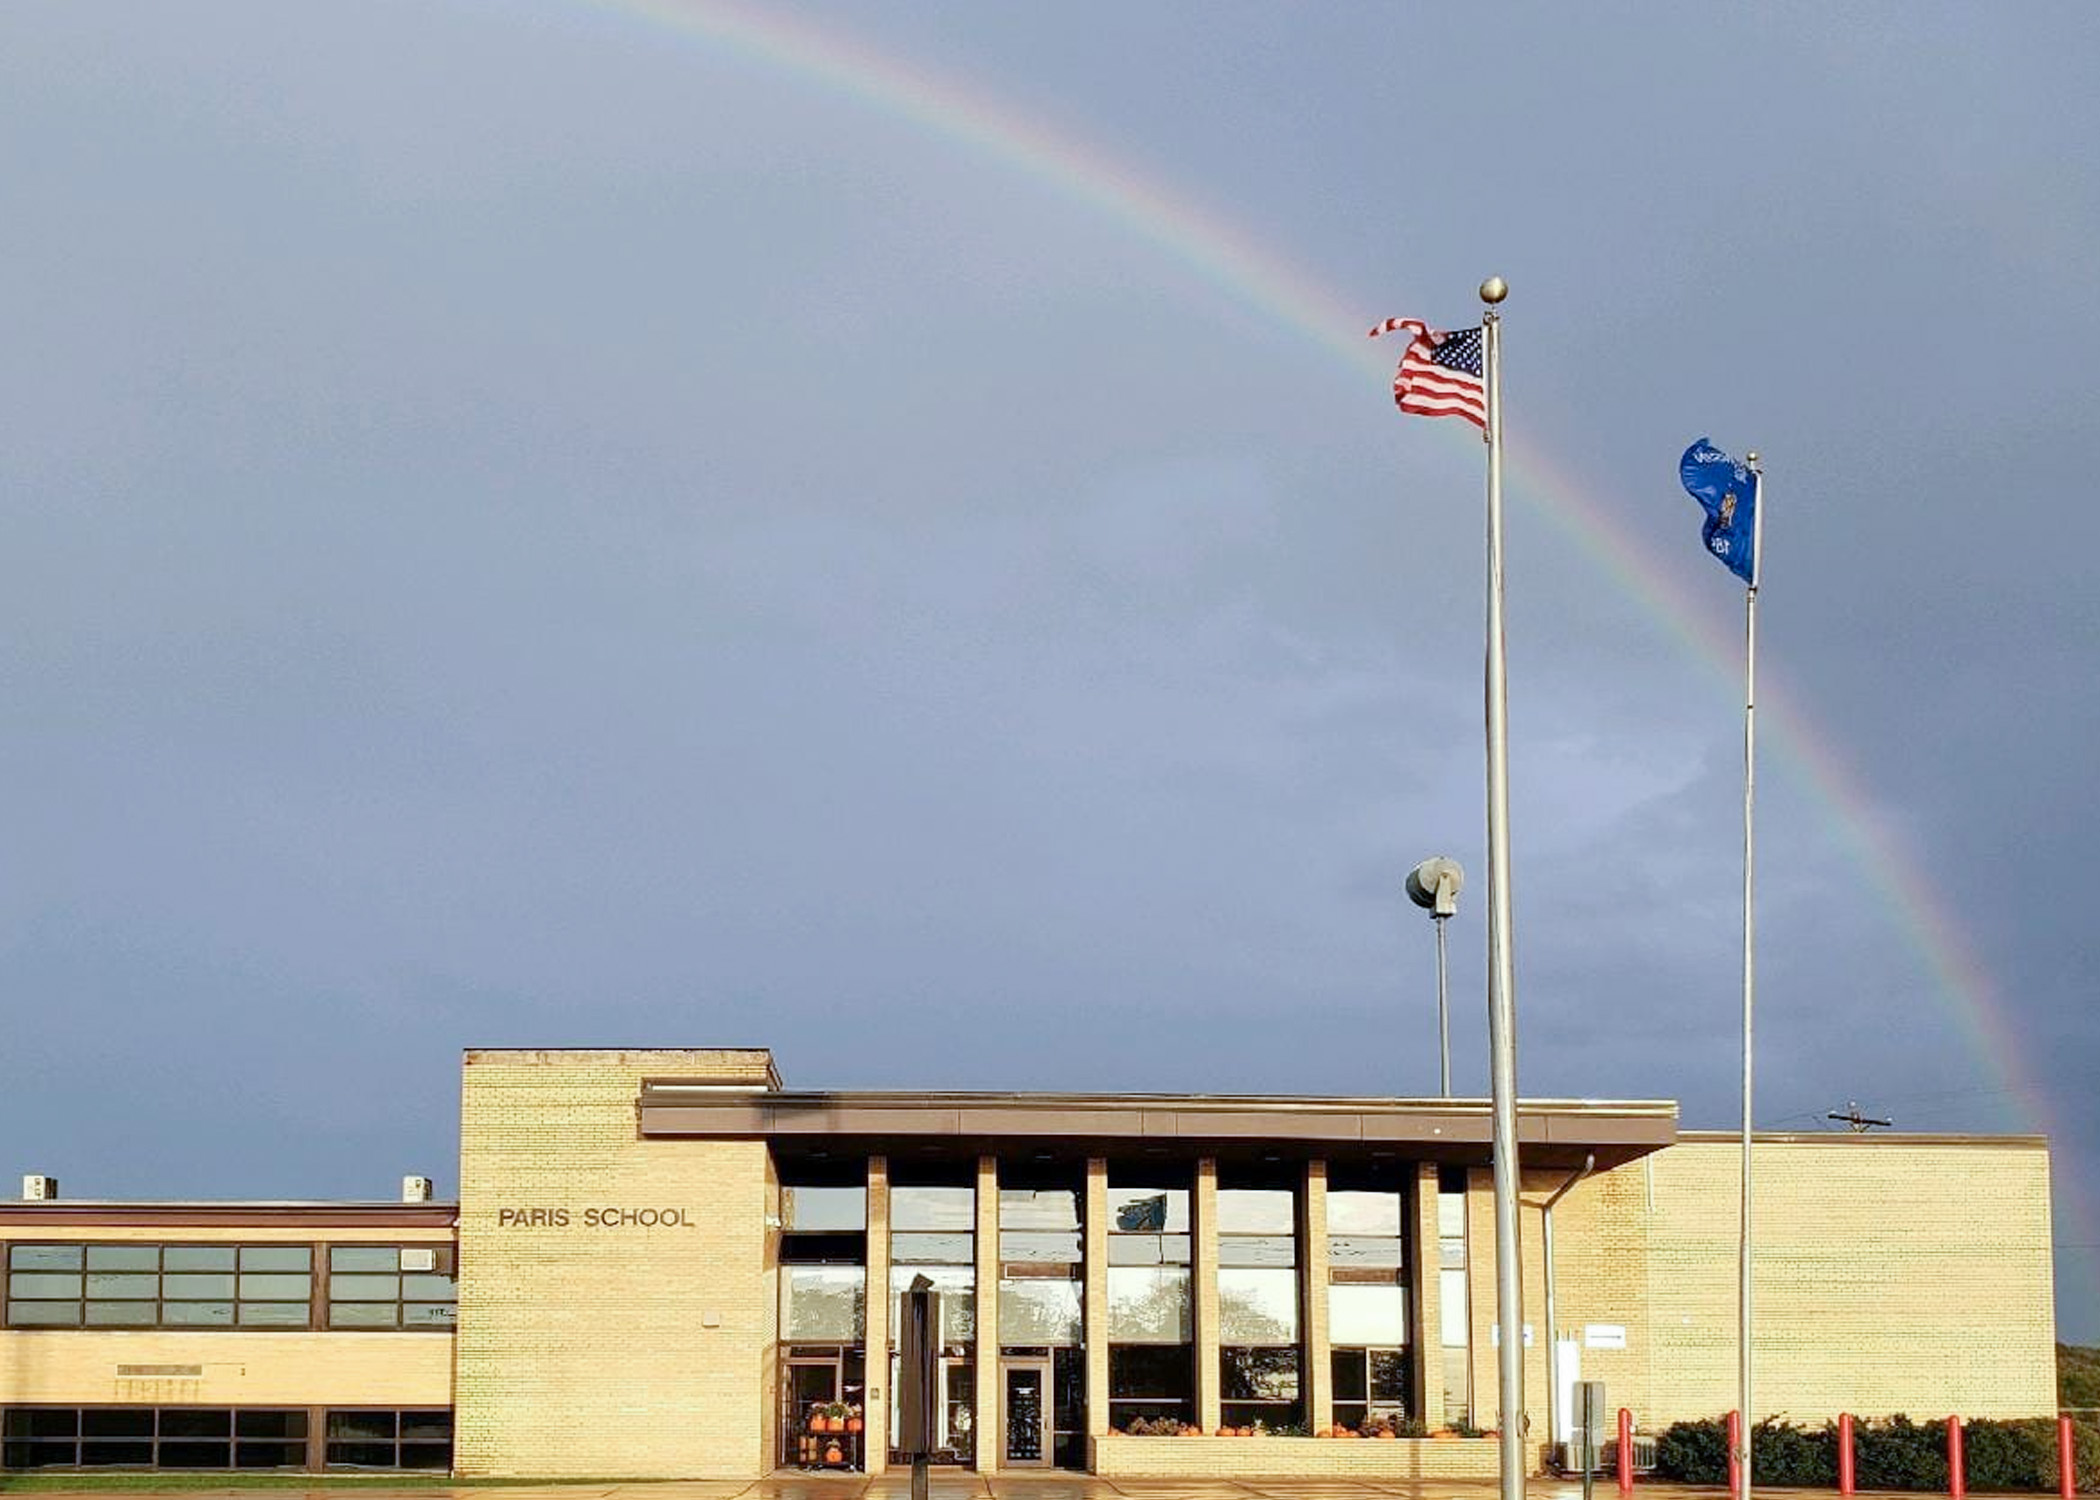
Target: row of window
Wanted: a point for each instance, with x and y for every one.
(129, 1285)
(201, 1437)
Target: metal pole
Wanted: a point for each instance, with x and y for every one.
(1748, 1425)
(1553, 1412)
(1443, 1008)
(1502, 984)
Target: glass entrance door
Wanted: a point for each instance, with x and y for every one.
(1026, 1407)
(809, 1390)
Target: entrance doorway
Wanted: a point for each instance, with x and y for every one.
(1027, 1402)
(820, 1408)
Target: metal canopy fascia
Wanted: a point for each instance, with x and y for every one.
(1454, 1130)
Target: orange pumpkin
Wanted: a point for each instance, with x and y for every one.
(1386, 1433)
(832, 1454)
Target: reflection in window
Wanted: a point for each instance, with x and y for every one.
(824, 1210)
(1151, 1382)
(822, 1304)
(1258, 1299)
(392, 1286)
(159, 1286)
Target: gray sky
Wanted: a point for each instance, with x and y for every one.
(543, 523)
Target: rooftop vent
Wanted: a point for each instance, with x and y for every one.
(415, 1190)
(37, 1188)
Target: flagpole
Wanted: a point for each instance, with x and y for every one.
(1746, 1424)
(1502, 986)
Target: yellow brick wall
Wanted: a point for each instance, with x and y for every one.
(1892, 1275)
(622, 1350)
(237, 1367)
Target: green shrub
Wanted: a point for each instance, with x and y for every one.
(1891, 1454)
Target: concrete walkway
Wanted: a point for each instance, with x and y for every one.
(965, 1486)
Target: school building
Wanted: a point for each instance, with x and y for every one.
(669, 1263)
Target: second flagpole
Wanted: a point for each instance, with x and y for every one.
(1502, 983)
(1746, 1423)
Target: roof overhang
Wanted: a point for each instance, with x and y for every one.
(1550, 1132)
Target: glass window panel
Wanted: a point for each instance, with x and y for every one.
(932, 1249)
(360, 1288)
(280, 1287)
(1257, 1307)
(1148, 1305)
(193, 1455)
(1043, 1246)
(196, 1314)
(43, 1257)
(1367, 1314)
(367, 1258)
(181, 1422)
(958, 1288)
(1038, 1208)
(822, 1302)
(1258, 1374)
(42, 1284)
(269, 1424)
(1257, 1211)
(363, 1314)
(121, 1314)
(428, 1288)
(1350, 1383)
(1159, 1372)
(269, 1455)
(112, 1285)
(1148, 1210)
(1040, 1311)
(274, 1314)
(277, 1257)
(118, 1422)
(32, 1423)
(1355, 1250)
(1377, 1214)
(218, 1286)
(362, 1425)
(107, 1454)
(196, 1258)
(123, 1257)
(1451, 1215)
(823, 1210)
(426, 1455)
(1134, 1249)
(44, 1314)
(430, 1314)
(1257, 1250)
(933, 1208)
(361, 1455)
(1451, 1254)
(1451, 1307)
(426, 1426)
(1389, 1372)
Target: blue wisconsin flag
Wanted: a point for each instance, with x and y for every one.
(1728, 490)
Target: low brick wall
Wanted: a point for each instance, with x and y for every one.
(1118, 1455)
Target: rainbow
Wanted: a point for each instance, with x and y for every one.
(1245, 272)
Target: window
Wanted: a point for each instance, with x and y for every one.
(1040, 1291)
(824, 1210)
(1451, 1292)
(1149, 1251)
(1370, 1383)
(390, 1440)
(392, 1286)
(1259, 1361)
(159, 1286)
(1367, 1307)
(147, 1437)
(1151, 1381)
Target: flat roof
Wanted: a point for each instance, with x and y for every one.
(228, 1213)
(1549, 1131)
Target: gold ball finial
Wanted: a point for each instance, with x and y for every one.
(1493, 290)
(1750, 458)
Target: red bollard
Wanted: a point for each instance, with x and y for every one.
(2066, 1460)
(1957, 1481)
(1847, 1473)
(1626, 1449)
(1735, 1453)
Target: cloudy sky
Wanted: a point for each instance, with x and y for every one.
(876, 532)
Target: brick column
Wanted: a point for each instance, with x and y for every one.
(875, 1309)
(1423, 1287)
(985, 1415)
(1094, 1326)
(1318, 1385)
(1204, 1216)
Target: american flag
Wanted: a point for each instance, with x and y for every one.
(1439, 375)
